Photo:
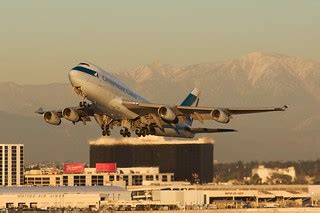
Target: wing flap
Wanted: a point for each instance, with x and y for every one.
(141, 108)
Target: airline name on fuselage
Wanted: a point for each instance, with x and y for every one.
(122, 88)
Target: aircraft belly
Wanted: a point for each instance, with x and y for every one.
(171, 132)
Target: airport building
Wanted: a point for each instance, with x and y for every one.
(104, 174)
(188, 160)
(238, 196)
(61, 197)
(169, 196)
(11, 164)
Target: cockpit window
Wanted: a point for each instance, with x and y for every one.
(84, 64)
(86, 70)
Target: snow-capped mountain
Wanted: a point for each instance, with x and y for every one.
(256, 79)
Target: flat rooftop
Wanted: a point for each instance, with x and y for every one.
(60, 189)
(148, 140)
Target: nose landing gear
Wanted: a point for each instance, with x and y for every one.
(83, 104)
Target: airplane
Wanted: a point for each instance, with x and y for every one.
(113, 104)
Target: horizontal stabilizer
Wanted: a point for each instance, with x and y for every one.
(209, 130)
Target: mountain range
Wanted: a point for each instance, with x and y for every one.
(256, 79)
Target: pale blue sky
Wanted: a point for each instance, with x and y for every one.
(41, 40)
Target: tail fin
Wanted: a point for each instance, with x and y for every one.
(192, 98)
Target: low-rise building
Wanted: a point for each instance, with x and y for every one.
(91, 177)
(241, 196)
(61, 197)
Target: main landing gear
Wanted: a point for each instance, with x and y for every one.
(125, 132)
(106, 132)
(144, 131)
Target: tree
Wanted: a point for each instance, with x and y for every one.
(300, 180)
(277, 178)
(256, 179)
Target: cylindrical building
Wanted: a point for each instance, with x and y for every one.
(190, 160)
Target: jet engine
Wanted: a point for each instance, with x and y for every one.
(71, 114)
(167, 114)
(220, 116)
(52, 117)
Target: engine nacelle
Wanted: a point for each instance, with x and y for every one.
(52, 117)
(71, 114)
(167, 114)
(220, 116)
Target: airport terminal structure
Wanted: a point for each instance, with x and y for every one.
(171, 196)
(45, 197)
(131, 175)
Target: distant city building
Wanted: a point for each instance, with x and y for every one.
(266, 173)
(76, 175)
(11, 164)
(189, 160)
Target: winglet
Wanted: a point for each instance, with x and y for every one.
(40, 111)
(283, 108)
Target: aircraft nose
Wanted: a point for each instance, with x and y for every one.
(72, 77)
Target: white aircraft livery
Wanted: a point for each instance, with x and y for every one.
(113, 104)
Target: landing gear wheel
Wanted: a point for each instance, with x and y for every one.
(83, 104)
(143, 132)
(152, 131)
(125, 133)
(106, 132)
(138, 132)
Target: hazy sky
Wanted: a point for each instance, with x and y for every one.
(41, 40)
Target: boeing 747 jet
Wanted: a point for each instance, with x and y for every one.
(113, 104)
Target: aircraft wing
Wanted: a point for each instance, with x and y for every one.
(229, 111)
(84, 112)
(197, 113)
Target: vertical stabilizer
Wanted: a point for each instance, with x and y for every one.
(192, 98)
